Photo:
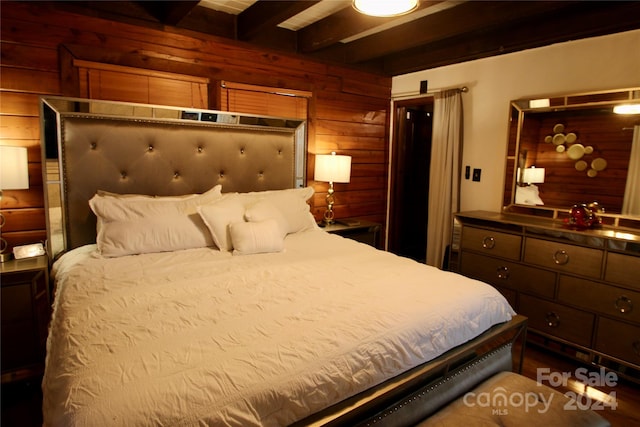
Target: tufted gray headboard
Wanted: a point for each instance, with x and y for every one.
(162, 157)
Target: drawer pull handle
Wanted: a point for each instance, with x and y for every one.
(552, 319)
(636, 347)
(503, 272)
(488, 242)
(561, 257)
(624, 305)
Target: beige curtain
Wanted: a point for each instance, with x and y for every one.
(631, 203)
(444, 176)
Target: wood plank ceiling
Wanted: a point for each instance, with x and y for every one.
(438, 33)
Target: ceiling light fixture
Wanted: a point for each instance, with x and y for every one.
(385, 8)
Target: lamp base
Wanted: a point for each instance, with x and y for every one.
(4, 257)
(328, 215)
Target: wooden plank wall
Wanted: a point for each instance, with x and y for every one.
(348, 113)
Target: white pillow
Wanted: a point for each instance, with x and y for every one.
(159, 233)
(528, 196)
(289, 207)
(143, 224)
(104, 193)
(264, 210)
(213, 193)
(256, 237)
(304, 193)
(122, 207)
(217, 217)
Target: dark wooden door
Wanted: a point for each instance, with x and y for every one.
(410, 179)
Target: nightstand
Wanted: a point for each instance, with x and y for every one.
(357, 229)
(25, 316)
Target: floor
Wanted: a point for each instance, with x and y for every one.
(21, 404)
(618, 401)
(21, 401)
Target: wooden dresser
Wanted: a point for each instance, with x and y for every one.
(579, 289)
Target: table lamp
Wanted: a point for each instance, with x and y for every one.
(14, 175)
(332, 168)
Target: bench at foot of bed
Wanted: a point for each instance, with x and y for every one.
(508, 399)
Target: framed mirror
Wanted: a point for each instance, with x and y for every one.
(573, 149)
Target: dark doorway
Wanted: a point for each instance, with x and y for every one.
(408, 216)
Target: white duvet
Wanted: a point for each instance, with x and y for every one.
(202, 337)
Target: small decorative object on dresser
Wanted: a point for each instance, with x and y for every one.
(577, 287)
(25, 316)
(584, 216)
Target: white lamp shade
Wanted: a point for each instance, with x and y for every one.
(533, 175)
(385, 7)
(14, 168)
(333, 168)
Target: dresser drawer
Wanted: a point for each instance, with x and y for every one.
(507, 274)
(610, 300)
(554, 319)
(623, 269)
(618, 339)
(492, 242)
(563, 257)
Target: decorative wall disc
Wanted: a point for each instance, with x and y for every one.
(581, 165)
(558, 139)
(576, 151)
(568, 143)
(599, 164)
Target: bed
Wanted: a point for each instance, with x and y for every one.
(194, 288)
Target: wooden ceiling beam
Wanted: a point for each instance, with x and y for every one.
(129, 12)
(466, 18)
(263, 16)
(470, 30)
(341, 25)
(168, 12)
(210, 21)
(588, 19)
